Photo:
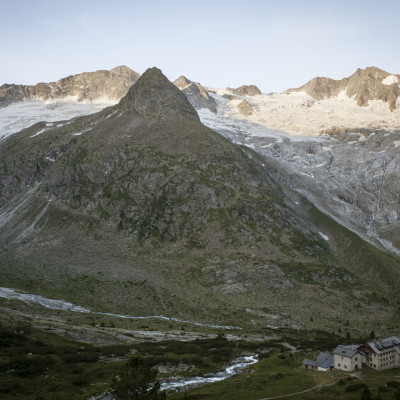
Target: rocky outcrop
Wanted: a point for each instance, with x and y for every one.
(322, 88)
(182, 82)
(230, 96)
(245, 108)
(196, 94)
(246, 90)
(86, 87)
(364, 85)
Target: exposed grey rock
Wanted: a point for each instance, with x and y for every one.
(196, 94)
(245, 90)
(182, 82)
(88, 86)
(364, 85)
(352, 175)
(230, 96)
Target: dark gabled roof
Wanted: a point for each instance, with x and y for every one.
(323, 360)
(309, 362)
(329, 362)
(346, 351)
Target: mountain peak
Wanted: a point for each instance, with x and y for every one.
(182, 82)
(154, 95)
(120, 68)
(245, 90)
(366, 84)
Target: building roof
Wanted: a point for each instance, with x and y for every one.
(327, 362)
(323, 360)
(347, 351)
(306, 361)
(386, 344)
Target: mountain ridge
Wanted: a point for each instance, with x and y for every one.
(146, 210)
(364, 85)
(141, 209)
(86, 86)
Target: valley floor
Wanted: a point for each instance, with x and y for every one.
(45, 352)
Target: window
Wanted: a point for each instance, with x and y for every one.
(345, 367)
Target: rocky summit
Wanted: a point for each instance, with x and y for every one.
(364, 85)
(141, 209)
(245, 90)
(245, 108)
(86, 87)
(196, 94)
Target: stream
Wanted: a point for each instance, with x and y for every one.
(237, 366)
(62, 305)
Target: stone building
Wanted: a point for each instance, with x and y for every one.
(348, 358)
(382, 354)
(323, 362)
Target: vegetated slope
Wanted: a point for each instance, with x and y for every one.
(88, 86)
(143, 210)
(364, 85)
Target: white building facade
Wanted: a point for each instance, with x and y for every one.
(383, 354)
(348, 358)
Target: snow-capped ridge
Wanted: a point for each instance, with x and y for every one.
(87, 87)
(364, 86)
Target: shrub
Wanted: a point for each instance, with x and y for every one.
(136, 381)
(382, 389)
(355, 387)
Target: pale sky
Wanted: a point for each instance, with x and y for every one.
(274, 44)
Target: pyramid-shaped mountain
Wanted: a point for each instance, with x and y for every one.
(143, 210)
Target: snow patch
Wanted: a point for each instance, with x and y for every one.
(389, 80)
(38, 133)
(23, 114)
(299, 115)
(323, 236)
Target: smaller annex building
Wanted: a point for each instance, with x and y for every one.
(323, 362)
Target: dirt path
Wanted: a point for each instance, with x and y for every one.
(318, 387)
